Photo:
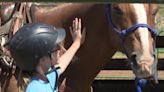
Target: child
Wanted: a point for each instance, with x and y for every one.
(35, 47)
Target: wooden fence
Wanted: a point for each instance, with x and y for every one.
(118, 69)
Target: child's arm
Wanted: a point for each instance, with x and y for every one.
(78, 39)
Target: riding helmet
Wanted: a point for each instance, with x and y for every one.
(32, 41)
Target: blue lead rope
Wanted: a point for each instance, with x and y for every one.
(139, 83)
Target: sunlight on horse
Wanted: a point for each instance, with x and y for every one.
(138, 45)
(102, 41)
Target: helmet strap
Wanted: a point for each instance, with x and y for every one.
(49, 55)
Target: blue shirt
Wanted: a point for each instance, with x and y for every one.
(38, 85)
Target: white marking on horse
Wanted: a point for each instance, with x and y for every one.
(143, 32)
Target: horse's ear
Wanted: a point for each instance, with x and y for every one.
(154, 8)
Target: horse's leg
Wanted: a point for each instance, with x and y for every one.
(91, 89)
(9, 85)
(68, 89)
(64, 88)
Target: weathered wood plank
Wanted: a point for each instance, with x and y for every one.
(121, 75)
(122, 64)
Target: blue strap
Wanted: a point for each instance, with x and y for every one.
(138, 82)
(124, 32)
(135, 26)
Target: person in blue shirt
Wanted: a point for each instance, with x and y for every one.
(36, 47)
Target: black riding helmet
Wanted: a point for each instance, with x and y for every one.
(33, 41)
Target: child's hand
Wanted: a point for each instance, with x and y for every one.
(76, 31)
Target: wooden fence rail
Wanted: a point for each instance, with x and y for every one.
(119, 69)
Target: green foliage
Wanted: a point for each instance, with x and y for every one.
(160, 20)
(161, 31)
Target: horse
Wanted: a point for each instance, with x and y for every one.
(127, 27)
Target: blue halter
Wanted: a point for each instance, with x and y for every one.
(138, 82)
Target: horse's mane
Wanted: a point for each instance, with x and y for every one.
(50, 6)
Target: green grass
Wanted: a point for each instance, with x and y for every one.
(161, 10)
(119, 55)
(161, 31)
(160, 50)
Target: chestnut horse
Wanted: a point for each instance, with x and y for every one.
(110, 27)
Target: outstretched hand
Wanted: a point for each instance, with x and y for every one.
(76, 31)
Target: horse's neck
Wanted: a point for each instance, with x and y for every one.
(94, 17)
(61, 12)
(66, 6)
